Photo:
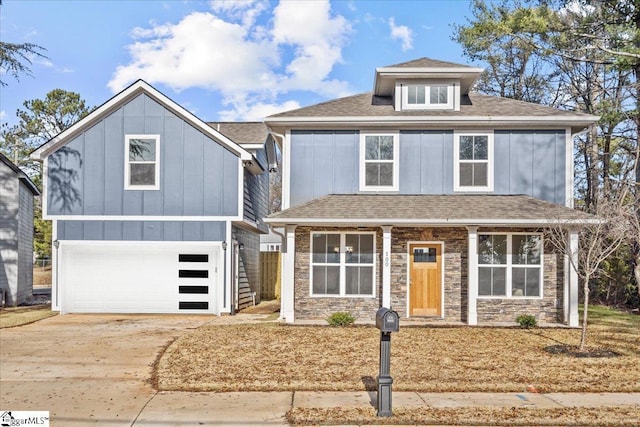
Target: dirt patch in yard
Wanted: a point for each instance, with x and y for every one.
(265, 307)
(274, 357)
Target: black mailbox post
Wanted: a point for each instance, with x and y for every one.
(387, 321)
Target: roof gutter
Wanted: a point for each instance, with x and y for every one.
(443, 222)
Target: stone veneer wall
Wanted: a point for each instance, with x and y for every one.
(549, 309)
(308, 307)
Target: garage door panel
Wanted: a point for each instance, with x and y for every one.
(139, 278)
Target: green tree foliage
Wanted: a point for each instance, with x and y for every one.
(502, 36)
(582, 55)
(38, 122)
(16, 59)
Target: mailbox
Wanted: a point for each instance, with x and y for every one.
(387, 320)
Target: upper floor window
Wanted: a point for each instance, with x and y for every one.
(473, 162)
(379, 154)
(142, 162)
(427, 96)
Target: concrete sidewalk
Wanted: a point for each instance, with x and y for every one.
(269, 408)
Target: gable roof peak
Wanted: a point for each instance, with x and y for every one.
(424, 68)
(120, 99)
(425, 62)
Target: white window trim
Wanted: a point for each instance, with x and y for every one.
(342, 265)
(509, 267)
(456, 162)
(395, 162)
(427, 100)
(127, 140)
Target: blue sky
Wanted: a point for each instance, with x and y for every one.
(222, 60)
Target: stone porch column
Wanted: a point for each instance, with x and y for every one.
(472, 275)
(287, 290)
(386, 266)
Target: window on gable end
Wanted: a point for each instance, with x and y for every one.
(142, 162)
(379, 153)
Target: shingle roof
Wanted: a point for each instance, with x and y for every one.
(397, 209)
(242, 132)
(20, 174)
(427, 63)
(473, 105)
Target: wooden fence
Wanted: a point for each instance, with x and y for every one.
(269, 275)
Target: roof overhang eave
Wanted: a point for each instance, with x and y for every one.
(135, 89)
(436, 222)
(575, 122)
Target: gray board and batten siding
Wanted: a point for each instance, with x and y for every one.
(198, 176)
(178, 231)
(525, 162)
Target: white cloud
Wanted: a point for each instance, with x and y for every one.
(402, 33)
(256, 111)
(3, 115)
(239, 51)
(219, 58)
(245, 11)
(318, 39)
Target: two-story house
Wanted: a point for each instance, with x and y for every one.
(427, 198)
(154, 210)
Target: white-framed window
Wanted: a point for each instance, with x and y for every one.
(379, 154)
(473, 161)
(142, 162)
(510, 265)
(343, 264)
(424, 96)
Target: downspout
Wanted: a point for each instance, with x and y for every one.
(283, 241)
(283, 248)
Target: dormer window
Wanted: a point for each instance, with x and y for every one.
(436, 94)
(427, 96)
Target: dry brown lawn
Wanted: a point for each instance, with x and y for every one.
(42, 276)
(273, 357)
(18, 316)
(477, 416)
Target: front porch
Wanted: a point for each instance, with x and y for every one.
(486, 254)
(458, 299)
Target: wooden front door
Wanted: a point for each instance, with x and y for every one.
(425, 275)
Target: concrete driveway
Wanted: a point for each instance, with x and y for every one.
(89, 368)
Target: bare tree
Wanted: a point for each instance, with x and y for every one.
(16, 59)
(599, 238)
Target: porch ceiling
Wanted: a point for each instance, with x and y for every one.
(432, 210)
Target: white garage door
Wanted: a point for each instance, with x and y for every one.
(138, 277)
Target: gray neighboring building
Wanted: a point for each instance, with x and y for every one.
(154, 210)
(16, 232)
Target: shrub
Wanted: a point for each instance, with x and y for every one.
(527, 321)
(341, 318)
